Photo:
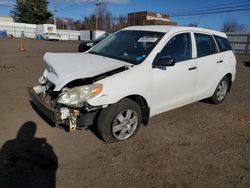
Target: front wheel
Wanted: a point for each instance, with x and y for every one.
(119, 121)
(221, 91)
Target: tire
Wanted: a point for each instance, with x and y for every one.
(220, 91)
(119, 121)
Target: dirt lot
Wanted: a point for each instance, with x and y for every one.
(199, 145)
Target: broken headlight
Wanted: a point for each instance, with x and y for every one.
(76, 96)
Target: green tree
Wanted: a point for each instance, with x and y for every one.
(31, 11)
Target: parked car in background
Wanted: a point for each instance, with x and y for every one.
(87, 44)
(132, 75)
(53, 36)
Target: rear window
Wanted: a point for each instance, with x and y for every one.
(205, 45)
(222, 43)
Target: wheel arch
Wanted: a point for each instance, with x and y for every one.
(229, 77)
(143, 104)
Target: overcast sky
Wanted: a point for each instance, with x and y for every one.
(77, 9)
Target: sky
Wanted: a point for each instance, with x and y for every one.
(78, 9)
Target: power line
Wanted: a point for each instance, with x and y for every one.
(211, 10)
(214, 12)
(213, 6)
(189, 18)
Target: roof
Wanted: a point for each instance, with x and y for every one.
(166, 29)
(147, 12)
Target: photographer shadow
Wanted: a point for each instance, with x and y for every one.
(27, 161)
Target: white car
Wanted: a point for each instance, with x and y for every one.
(133, 75)
(53, 36)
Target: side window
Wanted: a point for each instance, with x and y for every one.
(205, 45)
(222, 43)
(179, 47)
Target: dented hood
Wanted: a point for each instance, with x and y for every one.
(62, 68)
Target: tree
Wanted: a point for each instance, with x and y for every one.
(31, 11)
(77, 25)
(122, 22)
(89, 22)
(232, 26)
(104, 17)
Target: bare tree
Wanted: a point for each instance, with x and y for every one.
(89, 22)
(192, 25)
(106, 21)
(233, 26)
(122, 22)
(104, 17)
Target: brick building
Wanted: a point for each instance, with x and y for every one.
(149, 18)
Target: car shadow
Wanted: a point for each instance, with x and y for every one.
(246, 63)
(46, 119)
(93, 128)
(207, 101)
(27, 161)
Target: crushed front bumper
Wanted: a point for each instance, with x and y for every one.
(50, 113)
(73, 118)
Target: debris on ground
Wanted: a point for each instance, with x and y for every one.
(4, 67)
(241, 119)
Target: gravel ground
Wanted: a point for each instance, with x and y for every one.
(199, 145)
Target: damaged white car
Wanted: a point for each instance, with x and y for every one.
(133, 75)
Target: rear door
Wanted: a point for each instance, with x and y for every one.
(226, 50)
(209, 63)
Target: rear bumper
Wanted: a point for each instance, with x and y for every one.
(50, 113)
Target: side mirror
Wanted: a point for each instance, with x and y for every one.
(164, 61)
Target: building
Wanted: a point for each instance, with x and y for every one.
(6, 19)
(149, 18)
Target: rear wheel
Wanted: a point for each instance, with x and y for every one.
(221, 91)
(119, 121)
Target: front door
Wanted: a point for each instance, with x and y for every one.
(173, 86)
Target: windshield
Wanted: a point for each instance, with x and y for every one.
(129, 46)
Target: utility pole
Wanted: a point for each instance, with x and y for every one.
(96, 17)
(55, 12)
(134, 16)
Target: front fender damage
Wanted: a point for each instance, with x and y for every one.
(67, 117)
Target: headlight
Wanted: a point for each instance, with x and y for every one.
(76, 96)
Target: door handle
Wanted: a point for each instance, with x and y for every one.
(192, 68)
(220, 61)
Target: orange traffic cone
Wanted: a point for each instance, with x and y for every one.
(21, 46)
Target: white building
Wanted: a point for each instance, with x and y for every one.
(6, 19)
